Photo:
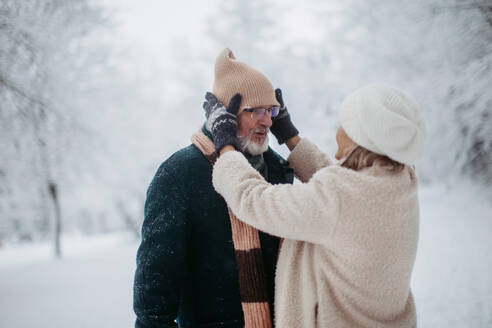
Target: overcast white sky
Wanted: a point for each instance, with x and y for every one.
(150, 24)
(147, 27)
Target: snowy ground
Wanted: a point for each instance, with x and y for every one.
(92, 285)
(452, 281)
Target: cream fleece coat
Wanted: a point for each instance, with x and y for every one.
(350, 238)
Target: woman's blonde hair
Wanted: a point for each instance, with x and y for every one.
(360, 158)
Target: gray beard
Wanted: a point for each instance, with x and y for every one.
(250, 147)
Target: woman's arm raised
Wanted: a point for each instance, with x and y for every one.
(306, 212)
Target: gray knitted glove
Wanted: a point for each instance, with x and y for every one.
(222, 121)
(282, 126)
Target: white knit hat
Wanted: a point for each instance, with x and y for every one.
(385, 121)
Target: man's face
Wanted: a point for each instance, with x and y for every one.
(253, 132)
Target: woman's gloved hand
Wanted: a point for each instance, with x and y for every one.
(222, 121)
(282, 126)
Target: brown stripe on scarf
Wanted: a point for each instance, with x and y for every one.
(247, 247)
(250, 260)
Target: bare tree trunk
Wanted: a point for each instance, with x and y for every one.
(130, 223)
(486, 10)
(58, 223)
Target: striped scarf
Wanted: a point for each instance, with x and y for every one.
(252, 285)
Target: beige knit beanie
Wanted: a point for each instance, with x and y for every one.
(385, 121)
(233, 76)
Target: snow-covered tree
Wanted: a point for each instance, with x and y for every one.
(42, 74)
(440, 52)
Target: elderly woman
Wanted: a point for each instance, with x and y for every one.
(350, 229)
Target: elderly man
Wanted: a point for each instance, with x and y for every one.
(198, 265)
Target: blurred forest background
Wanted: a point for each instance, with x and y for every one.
(86, 116)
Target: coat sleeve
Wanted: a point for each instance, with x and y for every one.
(161, 257)
(305, 211)
(307, 159)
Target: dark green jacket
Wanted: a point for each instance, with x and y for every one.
(186, 265)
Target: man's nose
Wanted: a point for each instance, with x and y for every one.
(266, 119)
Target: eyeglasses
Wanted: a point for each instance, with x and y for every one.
(259, 112)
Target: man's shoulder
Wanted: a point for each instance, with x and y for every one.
(278, 168)
(272, 157)
(189, 155)
(183, 162)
